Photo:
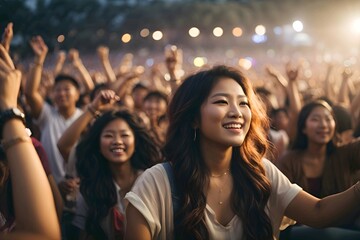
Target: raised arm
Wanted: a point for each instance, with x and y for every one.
(343, 95)
(102, 102)
(33, 202)
(60, 60)
(79, 66)
(103, 53)
(294, 99)
(173, 61)
(329, 211)
(32, 93)
(7, 36)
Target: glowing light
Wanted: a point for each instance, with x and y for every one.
(199, 61)
(157, 35)
(259, 38)
(144, 32)
(60, 38)
(149, 62)
(277, 30)
(126, 38)
(237, 32)
(260, 30)
(356, 25)
(245, 63)
(218, 32)
(194, 32)
(298, 26)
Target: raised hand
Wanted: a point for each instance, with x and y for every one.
(104, 100)
(7, 36)
(103, 52)
(40, 48)
(10, 80)
(291, 72)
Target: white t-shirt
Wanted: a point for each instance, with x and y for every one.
(52, 125)
(107, 223)
(151, 195)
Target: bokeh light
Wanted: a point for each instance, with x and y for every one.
(200, 61)
(237, 32)
(298, 26)
(126, 38)
(144, 32)
(260, 30)
(356, 25)
(245, 63)
(157, 35)
(194, 32)
(218, 32)
(61, 38)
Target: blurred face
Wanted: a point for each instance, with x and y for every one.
(225, 115)
(280, 120)
(65, 94)
(117, 142)
(138, 96)
(155, 107)
(319, 126)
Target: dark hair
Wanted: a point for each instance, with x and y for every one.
(343, 118)
(156, 94)
(191, 174)
(96, 182)
(301, 140)
(97, 89)
(64, 77)
(139, 86)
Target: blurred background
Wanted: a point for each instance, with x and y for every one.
(246, 32)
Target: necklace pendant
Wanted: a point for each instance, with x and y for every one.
(220, 202)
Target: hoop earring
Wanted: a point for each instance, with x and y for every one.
(194, 135)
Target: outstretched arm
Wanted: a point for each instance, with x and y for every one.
(31, 191)
(329, 211)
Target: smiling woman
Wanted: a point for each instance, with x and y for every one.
(111, 156)
(225, 189)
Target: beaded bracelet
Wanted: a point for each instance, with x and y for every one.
(6, 144)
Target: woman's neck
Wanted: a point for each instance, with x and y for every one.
(123, 174)
(217, 159)
(316, 150)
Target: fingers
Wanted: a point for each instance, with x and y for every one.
(7, 36)
(4, 55)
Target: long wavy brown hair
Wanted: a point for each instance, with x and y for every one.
(251, 187)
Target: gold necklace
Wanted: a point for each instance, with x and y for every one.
(220, 188)
(220, 175)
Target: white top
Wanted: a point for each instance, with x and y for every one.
(107, 223)
(52, 125)
(151, 195)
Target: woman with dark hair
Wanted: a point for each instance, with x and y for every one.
(115, 151)
(316, 161)
(223, 187)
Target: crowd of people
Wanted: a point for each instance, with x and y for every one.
(133, 152)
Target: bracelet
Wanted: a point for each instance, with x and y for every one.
(93, 111)
(6, 144)
(357, 189)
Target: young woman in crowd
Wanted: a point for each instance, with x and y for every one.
(114, 152)
(316, 162)
(225, 189)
